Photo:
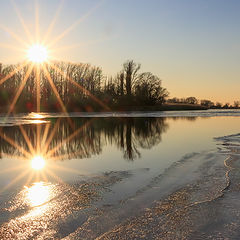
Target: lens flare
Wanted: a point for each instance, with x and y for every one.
(37, 53)
(38, 163)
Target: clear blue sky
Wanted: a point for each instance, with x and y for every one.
(192, 45)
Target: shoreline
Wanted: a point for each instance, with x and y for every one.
(122, 109)
(164, 107)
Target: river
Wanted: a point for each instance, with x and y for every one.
(149, 175)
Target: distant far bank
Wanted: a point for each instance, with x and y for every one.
(163, 107)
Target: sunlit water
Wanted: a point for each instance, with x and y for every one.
(57, 173)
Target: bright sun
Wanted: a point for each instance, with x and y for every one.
(38, 163)
(37, 53)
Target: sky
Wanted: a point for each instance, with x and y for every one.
(193, 46)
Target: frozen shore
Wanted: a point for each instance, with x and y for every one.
(206, 208)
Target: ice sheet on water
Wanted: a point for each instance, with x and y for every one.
(16, 121)
(34, 118)
(230, 138)
(230, 143)
(200, 113)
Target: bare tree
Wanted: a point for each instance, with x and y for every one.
(191, 100)
(130, 69)
(148, 89)
(236, 104)
(218, 105)
(207, 103)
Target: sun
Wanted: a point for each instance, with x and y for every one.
(37, 53)
(38, 163)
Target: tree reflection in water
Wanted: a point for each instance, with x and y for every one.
(86, 137)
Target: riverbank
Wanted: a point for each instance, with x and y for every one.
(163, 107)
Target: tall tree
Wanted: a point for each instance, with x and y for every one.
(122, 84)
(130, 69)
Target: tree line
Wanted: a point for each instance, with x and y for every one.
(94, 91)
(129, 87)
(204, 102)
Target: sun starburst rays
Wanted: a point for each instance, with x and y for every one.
(30, 146)
(84, 90)
(30, 38)
(19, 90)
(73, 135)
(8, 76)
(14, 35)
(37, 64)
(52, 24)
(38, 59)
(36, 21)
(38, 155)
(54, 89)
(75, 24)
(13, 143)
(44, 39)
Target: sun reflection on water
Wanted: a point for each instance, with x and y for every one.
(38, 197)
(37, 121)
(39, 194)
(36, 115)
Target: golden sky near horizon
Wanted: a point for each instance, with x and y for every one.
(192, 46)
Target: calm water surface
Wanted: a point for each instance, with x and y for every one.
(61, 177)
